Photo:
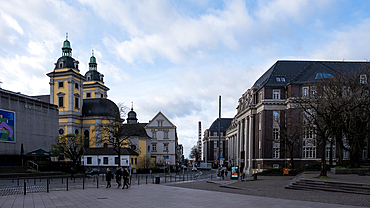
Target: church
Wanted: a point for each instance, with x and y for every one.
(83, 105)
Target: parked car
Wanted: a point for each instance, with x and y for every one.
(93, 172)
(194, 169)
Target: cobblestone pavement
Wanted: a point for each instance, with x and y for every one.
(274, 187)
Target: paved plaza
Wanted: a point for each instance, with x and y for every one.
(267, 191)
(150, 195)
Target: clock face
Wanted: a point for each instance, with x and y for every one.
(61, 131)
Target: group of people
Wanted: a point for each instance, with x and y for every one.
(222, 172)
(120, 173)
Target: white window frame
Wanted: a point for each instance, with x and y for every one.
(276, 94)
(305, 91)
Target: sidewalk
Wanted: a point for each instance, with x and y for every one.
(151, 195)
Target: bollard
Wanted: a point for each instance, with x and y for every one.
(62, 177)
(47, 185)
(24, 187)
(17, 180)
(67, 183)
(83, 182)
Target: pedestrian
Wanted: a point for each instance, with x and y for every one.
(222, 174)
(108, 177)
(226, 172)
(126, 177)
(72, 173)
(119, 177)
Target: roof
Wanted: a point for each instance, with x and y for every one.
(99, 107)
(136, 130)
(94, 75)
(68, 62)
(301, 72)
(38, 152)
(109, 151)
(225, 123)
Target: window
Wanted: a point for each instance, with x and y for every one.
(116, 160)
(89, 160)
(60, 85)
(60, 101)
(260, 94)
(88, 94)
(276, 116)
(275, 134)
(101, 95)
(276, 153)
(105, 160)
(61, 131)
(76, 102)
(132, 161)
(165, 135)
(305, 92)
(280, 79)
(154, 135)
(160, 123)
(215, 133)
(323, 75)
(165, 147)
(135, 161)
(363, 79)
(76, 131)
(76, 85)
(309, 143)
(276, 94)
(154, 147)
(345, 154)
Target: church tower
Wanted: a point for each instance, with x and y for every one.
(66, 88)
(94, 85)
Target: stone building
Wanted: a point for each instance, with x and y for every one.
(253, 136)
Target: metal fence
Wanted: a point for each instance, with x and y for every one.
(33, 183)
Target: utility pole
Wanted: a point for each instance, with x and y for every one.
(219, 131)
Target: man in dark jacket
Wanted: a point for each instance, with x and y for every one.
(126, 177)
(119, 175)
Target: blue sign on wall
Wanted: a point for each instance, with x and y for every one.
(7, 126)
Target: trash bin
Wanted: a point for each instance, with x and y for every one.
(157, 179)
(255, 176)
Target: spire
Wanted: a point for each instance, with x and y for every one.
(67, 50)
(131, 116)
(93, 66)
(132, 105)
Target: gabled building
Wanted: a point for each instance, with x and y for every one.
(253, 136)
(164, 139)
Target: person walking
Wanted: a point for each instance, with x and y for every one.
(108, 177)
(119, 176)
(222, 174)
(126, 177)
(72, 173)
(226, 172)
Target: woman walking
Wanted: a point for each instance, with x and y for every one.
(108, 177)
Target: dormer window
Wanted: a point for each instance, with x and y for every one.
(60, 65)
(280, 79)
(323, 75)
(363, 79)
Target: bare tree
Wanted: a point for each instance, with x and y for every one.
(114, 132)
(71, 145)
(194, 153)
(339, 107)
(145, 161)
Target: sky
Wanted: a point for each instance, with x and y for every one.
(176, 56)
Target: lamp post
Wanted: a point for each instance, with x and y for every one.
(219, 131)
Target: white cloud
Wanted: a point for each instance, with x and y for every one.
(11, 22)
